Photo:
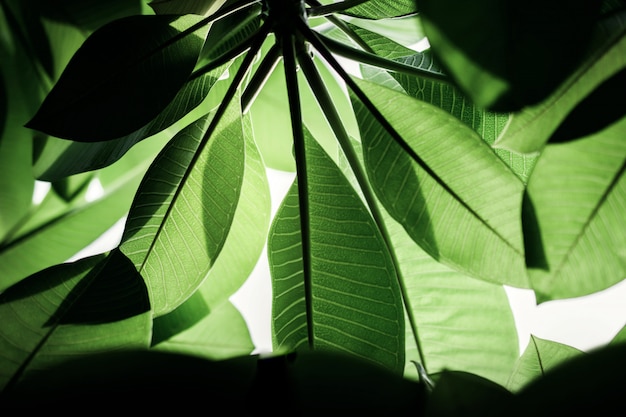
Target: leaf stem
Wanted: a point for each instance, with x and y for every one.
(313, 37)
(343, 26)
(260, 77)
(366, 57)
(293, 95)
(332, 116)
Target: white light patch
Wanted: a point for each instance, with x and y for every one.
(40, 191)
(94, 190)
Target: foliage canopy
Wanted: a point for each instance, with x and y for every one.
(440, 151)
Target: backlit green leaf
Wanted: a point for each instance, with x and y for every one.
(464, 204)
(381, 9)
(355, 303)
(184, 208)
(540, 356)
(574, 216)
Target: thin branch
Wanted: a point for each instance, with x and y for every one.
(343, 26)
(295, 110)
(332, 116)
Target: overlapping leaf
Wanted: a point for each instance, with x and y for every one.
(530, 129)
(381, 9)
(93, 305)
(459, 323)
(122, 77)
(60, 158)
(205, 319)
(353, 302)
(574, 219)
(540, 356)
(491, 48)
(57, 229)
(454, 196)
(184, 208)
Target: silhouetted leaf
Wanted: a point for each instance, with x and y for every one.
(123, 76)
(506, 55)
(66, 310)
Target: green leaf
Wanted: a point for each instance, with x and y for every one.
(184, 208)
(60, 158)
(354, 299)
(452, 194)
(200, 324)
(530, 129)
(506, 55)
(221, 334)
(123, 76)
(591, 383)
(180, 7)
(460, 323)
(539, 357)
(382, 9)
(92, 305)
(57, 230)
(488, 124)
(574, 216)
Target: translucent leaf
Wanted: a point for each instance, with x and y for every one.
(353, 296)
(184, 209)
(461, 323)
(123, 76)
(66, 311)
(221, 334)
(453, 195)
(574, 219)
(57, 230)
(180, 7)
(381, 9)
(539, 357)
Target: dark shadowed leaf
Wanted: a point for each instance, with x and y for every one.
(66, 311)
(60, 158)
(123, 76)
(531, 128)
(506, 55)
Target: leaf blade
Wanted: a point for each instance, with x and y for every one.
(112, 77)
